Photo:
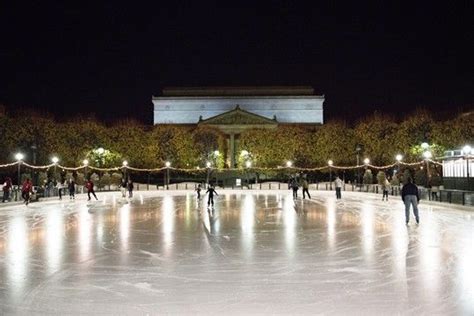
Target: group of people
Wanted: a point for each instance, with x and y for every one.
(294, 185)
(126, 186)
(210, 191)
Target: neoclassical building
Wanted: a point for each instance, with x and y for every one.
(235, 109)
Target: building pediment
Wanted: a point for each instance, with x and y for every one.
(238, 116)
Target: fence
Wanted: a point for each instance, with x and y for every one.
(449, 196)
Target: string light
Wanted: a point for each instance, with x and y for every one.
(194, 170)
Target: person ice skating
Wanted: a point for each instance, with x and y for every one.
(60, 186)
(123, 187)
(72, 189)
(198, 191)
(90, 189)
(211, 193)
(130, 188)
(26, 189)
(305, 188)
(434, 193)
(294, 186)
(7, 186)
(410, 196)
(338, 184)
(385, 188)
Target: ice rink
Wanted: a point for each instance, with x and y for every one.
(255, 253)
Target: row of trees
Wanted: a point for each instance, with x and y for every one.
(188, 147)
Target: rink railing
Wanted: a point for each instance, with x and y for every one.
(443, 195)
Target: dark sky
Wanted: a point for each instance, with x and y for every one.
(110, 58)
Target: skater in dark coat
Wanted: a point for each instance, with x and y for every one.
(294, 186)
(198, 191)
(305, 189)
(72, 189)
(211, 193)
(410, 196)
(130, 188)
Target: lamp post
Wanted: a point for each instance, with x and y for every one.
(330, 163)
(208, 172)
(427, 155)
(359, 149)
(19, 157)
(35, 174)
(85, 162)
(125, 164)
(55, 161)
(467, 151)
(167, 164)
(248, 164)
(399, 159)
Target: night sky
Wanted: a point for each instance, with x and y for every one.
(110, 58)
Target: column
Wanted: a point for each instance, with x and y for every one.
(232, 150)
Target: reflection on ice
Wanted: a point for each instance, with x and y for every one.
(55, 239)
(166, 253)
(17, 254)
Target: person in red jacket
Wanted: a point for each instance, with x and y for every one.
(90, 189)
(26, 189)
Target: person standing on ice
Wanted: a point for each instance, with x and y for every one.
(26, 189)
(130, 188)
(338, 184)
(385, 188)
(72, 189)
(90, 189)
(60, 186)
(411, 196)
(123, 187)
(294, 186)
(211, 193)
(305, 188)
(7, 186)
(198, 191)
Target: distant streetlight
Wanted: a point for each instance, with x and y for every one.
(366, 161)
(289, 164)
(19, 157)
(330, 163)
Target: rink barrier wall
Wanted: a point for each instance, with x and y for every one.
(443, 195)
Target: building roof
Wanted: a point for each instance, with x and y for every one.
(239, 91)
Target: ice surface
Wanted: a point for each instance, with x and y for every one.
(255, 253)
